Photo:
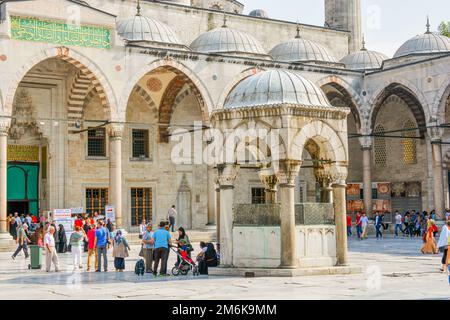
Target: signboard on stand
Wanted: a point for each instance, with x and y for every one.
(110, 213)
(64, 217)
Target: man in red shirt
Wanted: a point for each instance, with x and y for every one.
(91, 248)
(349, 226)
(79, 222)
(358, 225)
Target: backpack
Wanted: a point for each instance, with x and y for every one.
(139, 269)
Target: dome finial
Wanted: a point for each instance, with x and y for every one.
(363, 43)
(138, 8)
(428, 24)
(225, 20)
(298, 36)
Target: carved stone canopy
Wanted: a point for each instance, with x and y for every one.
(23, 120)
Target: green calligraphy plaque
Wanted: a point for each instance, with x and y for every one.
(33, 29)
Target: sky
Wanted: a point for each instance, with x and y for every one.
(387, 24)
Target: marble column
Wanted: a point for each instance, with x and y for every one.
(227, 177)
(217, 188)
(339, 203)
(211, 197)
(287, 172)
(367, 179)
(438, 186)
(3, 173)
(115, 172)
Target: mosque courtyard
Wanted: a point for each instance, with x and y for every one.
(391, 269)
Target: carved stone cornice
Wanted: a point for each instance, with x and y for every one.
(321, 112)
(227, 174)
(287, 171)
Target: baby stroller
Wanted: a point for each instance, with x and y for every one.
(186, 263)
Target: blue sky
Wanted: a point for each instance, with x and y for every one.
(386, 23)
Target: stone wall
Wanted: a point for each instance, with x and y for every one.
(260, 246)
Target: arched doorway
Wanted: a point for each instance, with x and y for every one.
(48, 132)
(399, 126)
(165, 107)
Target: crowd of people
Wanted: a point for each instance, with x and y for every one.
(411, 224)
(95, 236)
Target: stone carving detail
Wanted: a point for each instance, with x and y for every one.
(287, 171)
(116, 130)
(23, 119)
(398, 189)
(227, 174)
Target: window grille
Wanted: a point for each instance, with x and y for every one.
(409, 144)
(97, 142)
(140, 143)
(258, 196)
(96, 200)
(141, 205)
(380, 147)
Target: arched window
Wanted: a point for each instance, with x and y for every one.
(380, 153)
(409, 143)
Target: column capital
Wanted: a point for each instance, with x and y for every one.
(4, 126)
(435, 134)
(339, 176)
(366, 143)
(287, 171)
(227, 174)
(115, 130)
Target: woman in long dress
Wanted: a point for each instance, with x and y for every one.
(120, 251)
(430, 246)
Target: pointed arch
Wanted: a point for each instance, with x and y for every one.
(196, 84)
(86, 66)
(337, 88)
(325, 137)
(441, 101)
(407, 92)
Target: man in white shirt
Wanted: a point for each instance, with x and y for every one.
(51, 255)
(398, 223)
(171, 214)
(364, 225)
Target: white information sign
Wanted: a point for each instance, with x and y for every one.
(110, 213)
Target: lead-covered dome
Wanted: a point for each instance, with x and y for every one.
(227, 40)
(259, 13)
(274, 87)
(301, 50)
(424, 44)
(145, 29)
(364, 59)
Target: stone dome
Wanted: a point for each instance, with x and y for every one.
(141, 28)
(227, 40)
(364, 59)
(259, 13)
(275, 87)
(299, 49)
(424, 44)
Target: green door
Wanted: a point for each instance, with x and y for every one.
(23, 188)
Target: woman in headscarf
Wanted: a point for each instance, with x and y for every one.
(183, 240)
(430, 244)
(62, 239)
(120, 251)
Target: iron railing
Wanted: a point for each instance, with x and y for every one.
(269, 214)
